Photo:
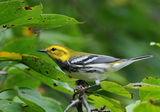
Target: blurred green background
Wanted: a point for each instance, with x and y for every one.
(119, 28)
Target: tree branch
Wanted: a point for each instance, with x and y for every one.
(79, 107)
(84, 100)
(74, 102)
(80, 91)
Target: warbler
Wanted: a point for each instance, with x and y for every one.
(87, 66)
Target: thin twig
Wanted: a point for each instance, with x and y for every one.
(91, 86)
(74, 95)
(84, 100)
(79, 107)
(72, 104)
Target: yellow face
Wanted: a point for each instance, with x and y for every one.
(58, 52)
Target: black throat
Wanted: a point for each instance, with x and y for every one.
(65, 66)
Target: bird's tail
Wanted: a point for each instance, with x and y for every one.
(141, 58)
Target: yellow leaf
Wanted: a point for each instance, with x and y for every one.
(10, 56)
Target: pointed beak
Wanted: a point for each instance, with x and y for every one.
(42, 50)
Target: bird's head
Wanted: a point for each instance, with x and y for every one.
(58, 52)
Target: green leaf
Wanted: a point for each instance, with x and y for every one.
(149, 88)
(136, 85)
(4, 64)
(10, 56)
(51, 105)
(60, 86)
(18, 100)
(30, 97)
(115, 88)
(46, 69)
(8, 94)
(11, 10)
(19, 78)
(17, 13)
(149, 92)
(152, 81)
(27, 45)
(146, 107)
(40, 66)
(32, 3)
(45, 21)
(110, 104)
(32, 13)
(9, 106)
(130, 107)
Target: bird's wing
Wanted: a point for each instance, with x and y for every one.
(91, 59)
(92, 63)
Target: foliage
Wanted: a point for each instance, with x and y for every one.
(148, 93)
(32, 82)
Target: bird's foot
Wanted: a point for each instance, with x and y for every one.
(81, 90)
(83, 86)
(79, 98)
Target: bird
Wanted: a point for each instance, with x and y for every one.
(87, 66)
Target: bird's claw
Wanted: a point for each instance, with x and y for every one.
(79, 89)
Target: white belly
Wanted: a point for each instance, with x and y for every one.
(98, 76)
(89, 76)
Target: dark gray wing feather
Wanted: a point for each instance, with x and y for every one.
(92, 59)
(103, 59)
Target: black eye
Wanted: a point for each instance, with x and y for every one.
(53, 49)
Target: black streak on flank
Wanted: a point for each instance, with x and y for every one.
(65, 67)
(27, 8)
(55, 85)
(93, 71)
